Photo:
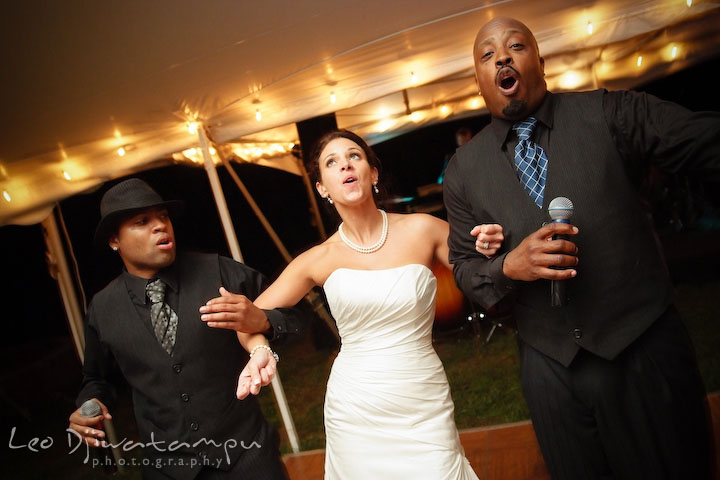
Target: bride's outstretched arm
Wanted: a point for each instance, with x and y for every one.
(293, 283)
(290, 287)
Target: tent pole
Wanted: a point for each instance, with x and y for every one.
(235, 249)
(312, 199)
(58, 266)
(219, 197)
(256, 209)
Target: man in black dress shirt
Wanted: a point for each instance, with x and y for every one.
(610, 378)
(182, 373)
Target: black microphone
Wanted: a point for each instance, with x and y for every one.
(560, 210)
(101, 455)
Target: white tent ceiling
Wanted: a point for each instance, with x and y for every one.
(81, 79)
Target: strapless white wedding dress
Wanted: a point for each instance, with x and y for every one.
(388, 410)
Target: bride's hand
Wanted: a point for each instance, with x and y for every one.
(259, 372)
(489, 238)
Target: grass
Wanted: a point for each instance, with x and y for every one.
(484, 377)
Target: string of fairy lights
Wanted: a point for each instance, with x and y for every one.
(384, 119)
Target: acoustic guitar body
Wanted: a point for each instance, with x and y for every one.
(450, 300)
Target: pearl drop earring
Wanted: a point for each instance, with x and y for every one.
(375, 188)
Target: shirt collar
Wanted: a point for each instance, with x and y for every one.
(169, 275)
(501, 128)
(136, 285)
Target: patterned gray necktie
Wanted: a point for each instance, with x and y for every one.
(530, 161)
(164, 320)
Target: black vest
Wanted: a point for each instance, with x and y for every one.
(622, 284)
(186, 403)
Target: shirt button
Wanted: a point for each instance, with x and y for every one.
(279, 327)
(185, 397)
(177, 368)
(577, 333)
(194, 427)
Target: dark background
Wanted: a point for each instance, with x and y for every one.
(39, 370)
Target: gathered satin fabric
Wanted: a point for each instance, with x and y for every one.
(388, 409)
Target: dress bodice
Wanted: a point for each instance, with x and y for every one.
(382, 309)
(388, 410)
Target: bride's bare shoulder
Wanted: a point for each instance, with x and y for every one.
(320, 259)
(418, 222)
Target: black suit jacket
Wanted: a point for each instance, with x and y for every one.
(184, 404)
(597, 144)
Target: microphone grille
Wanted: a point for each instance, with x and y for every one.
(560, 208)
(90, 408)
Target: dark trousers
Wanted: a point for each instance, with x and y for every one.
(639, 416)
(259, 461)
(262, 463)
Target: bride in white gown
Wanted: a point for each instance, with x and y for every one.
(388, 409)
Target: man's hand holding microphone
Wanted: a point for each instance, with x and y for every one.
(87, 421)
(547, 253)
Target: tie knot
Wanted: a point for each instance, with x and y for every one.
(155, 291)
(525, 128)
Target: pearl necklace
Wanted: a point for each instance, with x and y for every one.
(372, 248)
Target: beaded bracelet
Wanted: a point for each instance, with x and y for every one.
(266, 347)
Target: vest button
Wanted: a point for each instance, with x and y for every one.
(577, 333)
(194, 427)
(177, 368)
(185, 397)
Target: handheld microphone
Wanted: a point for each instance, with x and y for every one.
(90, 408)
(101, 456)
(560, 210)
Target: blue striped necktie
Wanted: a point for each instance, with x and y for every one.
(530, 161)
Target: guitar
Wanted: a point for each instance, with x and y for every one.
(449, 301)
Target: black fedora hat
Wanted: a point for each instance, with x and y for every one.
(124, 199)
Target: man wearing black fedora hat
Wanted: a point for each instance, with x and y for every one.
(146, 325)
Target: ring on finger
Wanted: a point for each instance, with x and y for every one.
(486, 245)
